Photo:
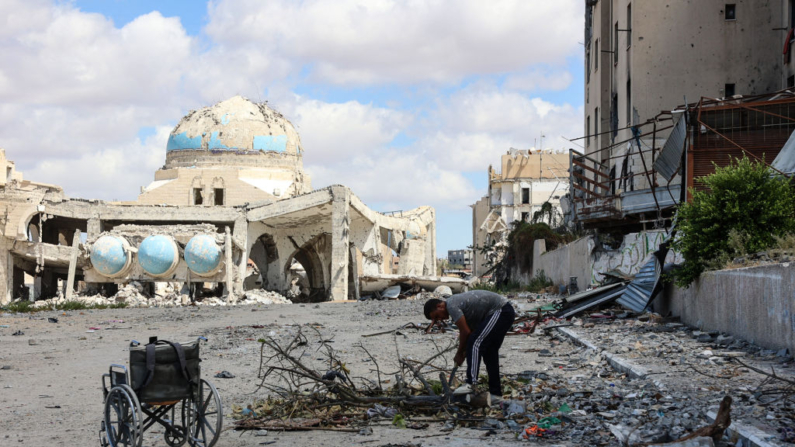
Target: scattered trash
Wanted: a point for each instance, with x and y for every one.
(3, 326)
(787, 434)
(382, 411)
(225, 375)
(331, 375)
(18, 333)
(548, 422)
(52, 320)
(391, 292)
(534, 432)
(95, 328)
(513, 407)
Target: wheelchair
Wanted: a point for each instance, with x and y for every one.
(162, 386)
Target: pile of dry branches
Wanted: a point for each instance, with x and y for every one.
(310, 388)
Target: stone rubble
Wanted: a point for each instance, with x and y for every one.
(173, 295)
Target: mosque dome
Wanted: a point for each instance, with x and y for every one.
(236, 131)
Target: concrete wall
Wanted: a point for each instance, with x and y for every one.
(175, 186)
(569, 260)
(585, 260)
(479, 212)
(533, 165)
(753, 303)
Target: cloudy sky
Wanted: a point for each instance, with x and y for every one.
(406, 102)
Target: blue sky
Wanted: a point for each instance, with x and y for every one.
(406, 103)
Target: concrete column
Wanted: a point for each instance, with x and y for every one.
(6, 273)
(354, 267)
(240, 238)
(93, 228)
(229, 267)
(70, 278)
(340, 242)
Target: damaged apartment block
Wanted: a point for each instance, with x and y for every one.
(230, 211)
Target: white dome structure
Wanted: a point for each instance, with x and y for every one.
(234, 152)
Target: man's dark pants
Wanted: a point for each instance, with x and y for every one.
(485, 342)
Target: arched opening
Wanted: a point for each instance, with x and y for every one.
(304, 273)
(262, 254)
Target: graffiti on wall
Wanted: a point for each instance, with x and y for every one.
(630, 257)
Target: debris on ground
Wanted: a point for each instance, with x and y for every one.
(133, 296)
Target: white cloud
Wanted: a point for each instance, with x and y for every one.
(398, 179)
(330, 132)
(74, 87)
(481, 122)
(539, 79)
(114, 173)
(75, 90)
(371, 41)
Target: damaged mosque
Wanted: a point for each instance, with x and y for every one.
(232, 210)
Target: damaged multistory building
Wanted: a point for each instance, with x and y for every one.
(231, 210)
(645, 57)
(528, 179)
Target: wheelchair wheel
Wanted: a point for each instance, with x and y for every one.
(122, 419)
(175, 436)
(204, 416)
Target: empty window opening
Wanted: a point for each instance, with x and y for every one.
(219, 196)
(525, 195)
(791, 14)
(596, 57)
(615, 45)
(9, 174)
(629, 102)
(731, 12)
(596, 126)
(588, 131)
(197, 196)
(588, 65)
(729, 90)
(525, 216)
(791, 81)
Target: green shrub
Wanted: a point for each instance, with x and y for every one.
(27, 306)
(20, 306)
(744, 209)
(539, 282)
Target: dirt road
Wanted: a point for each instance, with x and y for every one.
(50, 391)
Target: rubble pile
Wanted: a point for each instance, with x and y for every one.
(674, 352)
(132, 295)
(260, 296)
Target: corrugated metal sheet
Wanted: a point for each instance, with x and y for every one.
(605, 296)
(590, 293)
(638, 292)
(667, 164)
(785, 161)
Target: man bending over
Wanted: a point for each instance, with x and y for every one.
(483, 318)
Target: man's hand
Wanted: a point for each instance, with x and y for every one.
(430, 326)
(459, 358)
